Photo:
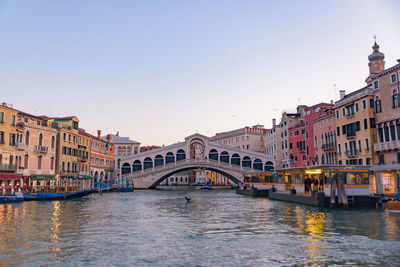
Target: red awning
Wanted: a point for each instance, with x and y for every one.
(4, 176)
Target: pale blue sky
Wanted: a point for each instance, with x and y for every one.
(158, 71)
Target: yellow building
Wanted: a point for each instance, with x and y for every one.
(67, 145)
(355, 127)
(38, 145)
(83, 153)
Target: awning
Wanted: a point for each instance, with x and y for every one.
(387, 167)
(107, 170)
(6, 176)
(86, 177)
(42, 176)
(69, 177)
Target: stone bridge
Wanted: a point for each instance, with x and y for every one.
(150, 168)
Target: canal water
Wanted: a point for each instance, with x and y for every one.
(217, 228)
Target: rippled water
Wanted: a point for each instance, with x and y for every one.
(217, 228)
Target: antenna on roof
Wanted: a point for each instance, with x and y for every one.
(375, 37)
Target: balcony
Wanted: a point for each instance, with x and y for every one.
(83, 158)
(387, 145)
(352, 153)
(41, 149)
(350, 115)
(328, 146)
(21, 146)
(351, 135)
(8, 167)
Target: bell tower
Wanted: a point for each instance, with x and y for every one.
(376, 60)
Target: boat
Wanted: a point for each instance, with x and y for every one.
(18, 197)
(206, 187)
(394, 204)
(56, 196)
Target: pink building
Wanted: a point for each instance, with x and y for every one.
(297, 145)
(325, 139)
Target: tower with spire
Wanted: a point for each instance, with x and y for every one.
(376, 60)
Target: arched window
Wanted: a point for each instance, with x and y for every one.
(11, 160)
(169, 158)
(395, 99)
(213, 155)
(136, 166)
(246, 162)
(378, 105)
(269, 166)
(1, 158)
(147, 163)
(158, 160)
(27, 138)
(180, 155)
(258, 165)
(224, 157)
(126, 168)
(235, 159)
(53, 141)
(40, 139)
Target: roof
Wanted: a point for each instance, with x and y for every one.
(387, 167)
(58, 118)
(154, 150)
(115, 139)
(82, 132)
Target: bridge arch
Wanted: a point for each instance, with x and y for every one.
(126, 168)
(147, 163)
(235, 159)
(246, 162)
(158, 160)
(231, 177)
(169, 158)
(224, 157)
(180, 155)
(136, 166)
(213, 155)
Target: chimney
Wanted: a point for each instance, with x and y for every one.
(331, 102)
(342, 94)
(273, 122)
(4, 104)
(98, 134)
(117, 133)
(109, 138)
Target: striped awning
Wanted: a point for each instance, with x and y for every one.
(42, 177)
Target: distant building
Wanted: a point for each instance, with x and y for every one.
(148, 148)
(123, 146)
(272, 141)
(325, 142)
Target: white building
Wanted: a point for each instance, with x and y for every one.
(123, 146)
(272, 143)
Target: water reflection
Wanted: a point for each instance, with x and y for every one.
(55, 224)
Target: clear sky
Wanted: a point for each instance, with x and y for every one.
(158, 71)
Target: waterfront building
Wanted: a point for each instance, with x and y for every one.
(38, 143)
(355, 127)
(272, 138)
(123, 146)
(325, 139)
(10, 149)
(83, 153)
(101, 158)
(386, 87)
(297, 145)
(67, 145)
(250, 138)
(288, 120)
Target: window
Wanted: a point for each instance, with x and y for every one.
(69, 138)
(39, 163)
(364, 104)
(386, 131)
(380, 135)
(366, 145)
(393, 78)
(65, 137)
(339, 149)
(338, 131)
(13, 120)
(356, 107)
(27, 138)
(393, 132)
(359, 145)
(1, 117)
(40, 139)
(395, 100)
(26, 161)
(365, 124)
(344, 112)
(372, 123)
(368, 161)
(1, 138)
(376, 84)
(378, 106)
(53, 141)
(371, 103)
(398, 157)
(52, 163)
(12, 139)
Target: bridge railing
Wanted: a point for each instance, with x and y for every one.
(182, 163)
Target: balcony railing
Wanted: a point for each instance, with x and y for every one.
(21, 146)
(352, 153)
(41, 149)
(328, 146)
(387, 145)
(8, 167)
(351, 135)
(83, 158)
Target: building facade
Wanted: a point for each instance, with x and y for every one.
(325, 142)
(101, 158)
(355, 127)
(272, 141)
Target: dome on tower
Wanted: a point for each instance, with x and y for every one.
(376, 54)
